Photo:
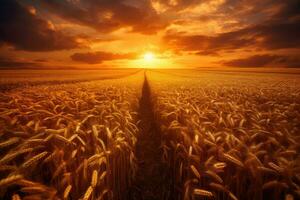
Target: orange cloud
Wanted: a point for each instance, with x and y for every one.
(264, 60)
(269, 36)
(107, 16)
(100, 56)
(9, 63)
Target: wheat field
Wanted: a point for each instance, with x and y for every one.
(150, 134)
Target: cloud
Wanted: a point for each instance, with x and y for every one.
(24, 30)
(265, 36)
(178, 4)
(253, 26)
(100, 56)
(264, 60)
(9, 63)
(257, 11)
(109, 15)
(187, 27)
(288, 10)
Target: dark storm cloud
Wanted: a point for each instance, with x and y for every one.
(263, 61)
(109, 15)
(100, 56)
(24, 30)
(265, 36)
(257, 11)
(203, 44)
(280, 30)
(9, 63)
(288, 10)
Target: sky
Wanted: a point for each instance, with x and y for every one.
(99, 34)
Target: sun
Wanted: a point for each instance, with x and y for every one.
(149, 57)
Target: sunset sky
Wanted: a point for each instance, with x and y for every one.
(175, 33)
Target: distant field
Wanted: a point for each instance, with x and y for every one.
(10, 79)
(154, 134)
(12, 76)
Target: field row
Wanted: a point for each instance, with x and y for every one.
(69, 141)
(230, 137)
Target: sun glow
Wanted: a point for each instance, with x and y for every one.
(149, 57)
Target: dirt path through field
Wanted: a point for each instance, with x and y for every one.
(152, 182)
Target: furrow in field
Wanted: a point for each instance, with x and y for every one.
(152, 180)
